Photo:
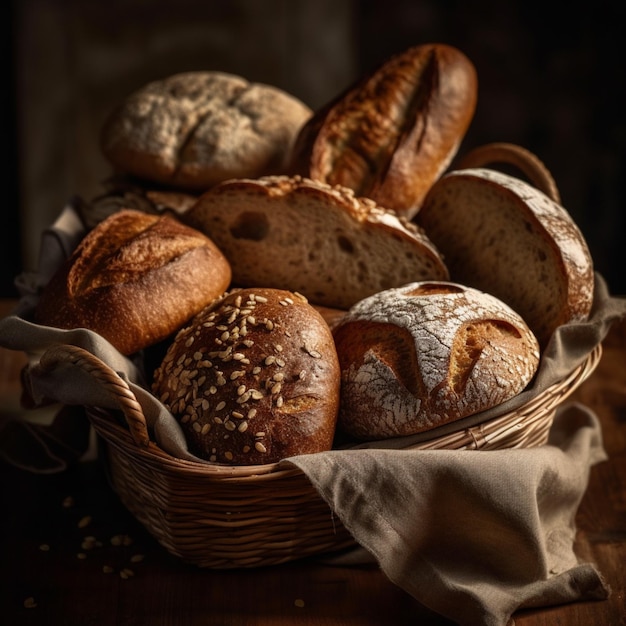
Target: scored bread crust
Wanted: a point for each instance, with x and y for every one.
(426, 354)
(135, 279)
(194, 129)
(392, 133)
(253, 379)
(502, 235)
(319, 240)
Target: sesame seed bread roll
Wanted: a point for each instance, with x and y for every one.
(426, 354)
(135, 279)
(254, 378)
(194, 129)
(306, 236)
(501, 235)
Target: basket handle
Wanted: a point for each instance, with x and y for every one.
(107, 378)
(522, 159)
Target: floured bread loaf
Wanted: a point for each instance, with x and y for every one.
(501, 235)
(194, 129)
(391, 134)
(306, 236)
(253, 379)
(422, 355)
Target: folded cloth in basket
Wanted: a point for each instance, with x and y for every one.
(472, 535)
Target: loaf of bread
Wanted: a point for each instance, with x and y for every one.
(135, 279)
(120, 193)
(322, 241)
(253, 379)
(194, 129)
(426, 354)
(501, 235)
(391, 134)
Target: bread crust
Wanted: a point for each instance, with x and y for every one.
(391, 134)
(502, 235)
(135, 279)
(253, 379)
(194, 129)
(319, 240)
(427, 354)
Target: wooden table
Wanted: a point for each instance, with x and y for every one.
(72, 555)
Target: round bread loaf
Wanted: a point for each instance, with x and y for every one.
(253, 378)
(135, 279)
(194, 129)
(501, 235)
(428, 353)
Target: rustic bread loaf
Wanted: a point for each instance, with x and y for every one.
(194, 129)
(135, 279)
(426, 354)
(305, 236)
(253, 378)
(501, 235)
(391, 134)
(118, 194)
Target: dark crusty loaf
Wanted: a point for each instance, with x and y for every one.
(135, 279)
(306, 236)
(502, 235)
(252, 379)
(426, 354)
(390, 135)
(194, 129)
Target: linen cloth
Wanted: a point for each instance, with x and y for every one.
(473, 535)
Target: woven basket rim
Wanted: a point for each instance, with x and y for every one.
(119, 435)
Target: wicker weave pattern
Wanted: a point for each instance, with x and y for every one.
(250, 516)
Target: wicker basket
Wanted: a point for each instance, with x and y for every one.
(225, 517)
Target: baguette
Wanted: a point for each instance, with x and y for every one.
(391, 134)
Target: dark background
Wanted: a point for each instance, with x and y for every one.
(550, 81)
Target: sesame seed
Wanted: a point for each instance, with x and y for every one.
(242, 427)
(29, 603)
(241, 390)
(270, 360)
(197, 427)
(85, 521)
(237, 374)
(279, 401)
(279, 376)
(259, 447)
(237, 415)
(261, 433)
(228, 455)
(261, 299)
(189, 341)
(205, 429)
(256, 395)
(252, 413)
(256, 370)
(230, 425)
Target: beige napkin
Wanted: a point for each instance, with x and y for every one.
(473, 535)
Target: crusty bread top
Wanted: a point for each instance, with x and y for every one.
(426, 354)
(503, 236)
(135, 279)
(319, 240)
(194, 129)
(392, 133)
(253, 378)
